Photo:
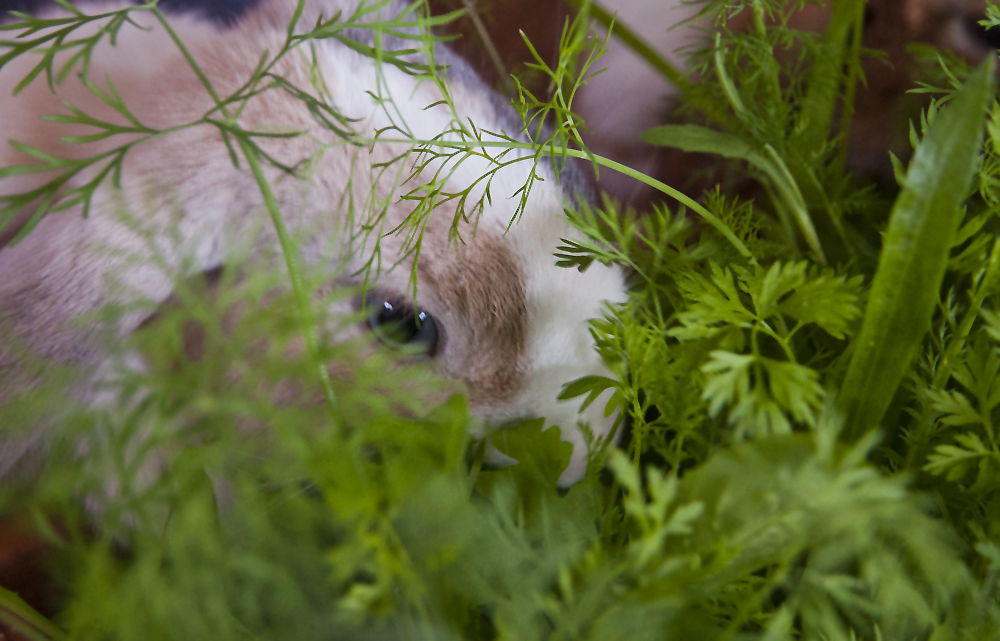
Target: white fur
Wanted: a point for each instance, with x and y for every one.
(211, 204)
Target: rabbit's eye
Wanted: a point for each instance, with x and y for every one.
(400, 326)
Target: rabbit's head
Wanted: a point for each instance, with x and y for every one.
(497, 314)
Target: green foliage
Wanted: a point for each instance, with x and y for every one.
(763, 390)
(915, 252)
(811, 393)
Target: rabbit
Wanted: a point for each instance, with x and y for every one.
(496, 314)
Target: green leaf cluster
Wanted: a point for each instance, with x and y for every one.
(807, 385)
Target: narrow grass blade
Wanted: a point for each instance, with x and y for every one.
(915, 254)
(23, 619)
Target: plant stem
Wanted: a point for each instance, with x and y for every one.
(653, 58)
(24, 620)
(310, 334)
(684, 199)
(491, 50)
(302, 298)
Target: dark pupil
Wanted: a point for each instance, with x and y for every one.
(398, 322)
(401, 325)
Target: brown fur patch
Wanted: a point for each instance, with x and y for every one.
(482, 282)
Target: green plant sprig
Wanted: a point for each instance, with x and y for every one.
(744, 507)
(58, 39)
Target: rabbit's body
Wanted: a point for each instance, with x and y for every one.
(514, 325)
